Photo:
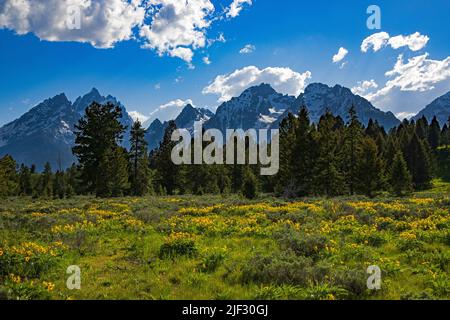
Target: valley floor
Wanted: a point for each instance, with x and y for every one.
(215, 247)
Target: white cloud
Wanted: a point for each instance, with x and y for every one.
(342, 53)
(283, 80)
(414, 42)
(377, 41)
(206, 60)
(249, 48)
(414, 84)
(169, 110)
(103, 22)
(364, 86)
(418, 74)
(136, 115)
(404, 115)
(236, 7)
(176, 28)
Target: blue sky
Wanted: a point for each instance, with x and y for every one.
(292, 44)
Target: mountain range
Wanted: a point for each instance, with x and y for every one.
(46, 132)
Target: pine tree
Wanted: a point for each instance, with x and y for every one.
(301, 154)
(9, 184)
(329, 180)
(98, 136)
(167, 179)
(370, 166)
(139, 161)
(434, 134)
(445, 135)
(59, 189)
(353, 136)
(399, 176)
(250, 184)
(25, 181)
(419, 163)
(46, 189)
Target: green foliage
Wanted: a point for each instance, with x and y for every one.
(103, 163)
(250, 185)
(8, 177)
(400, 178)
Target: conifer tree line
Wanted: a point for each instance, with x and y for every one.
(331, 158)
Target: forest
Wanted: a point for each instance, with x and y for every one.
(330, 158)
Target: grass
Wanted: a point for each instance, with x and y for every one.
(215, 247)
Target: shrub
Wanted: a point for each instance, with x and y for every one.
(278, 269)
(211, 262)
(178, 244)
(303, 244)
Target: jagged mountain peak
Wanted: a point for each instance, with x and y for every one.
(439, 108)
(263, 90)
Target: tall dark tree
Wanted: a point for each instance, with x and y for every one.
(419, 164)
(399, 176)
(370, 166)
(445, 136)
(46, 182)
(139, 161)
(98, 136)
(25, 185)
(329, 180)
(8, 177)
(353, 136)
(167, 179)
(434, 134)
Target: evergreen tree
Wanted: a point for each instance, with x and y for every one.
(9, 184)
(370, 168)
(434, 134)
(25, 181)
(46, 188)
(445, 135)
(301, 154)
(167, 179)
(353, 136)
(98, 136)
(328, 178)
(73, 181)
(399, 176)
(139, 161)
(59, 189)
(419, 163)
(250, 184)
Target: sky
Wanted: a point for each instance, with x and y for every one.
(156, 56)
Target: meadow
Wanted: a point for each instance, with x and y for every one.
(226, 247)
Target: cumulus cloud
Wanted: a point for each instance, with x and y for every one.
(377, 41)
(136, 115)
(418, 74)
(413, 84)
(174, 28)
(283, 80)
(342, 53)
(178, 27)
(249, 48)
(364, 86)
(102, 23)
(414, 42)
(236, 7)
(169, 110)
